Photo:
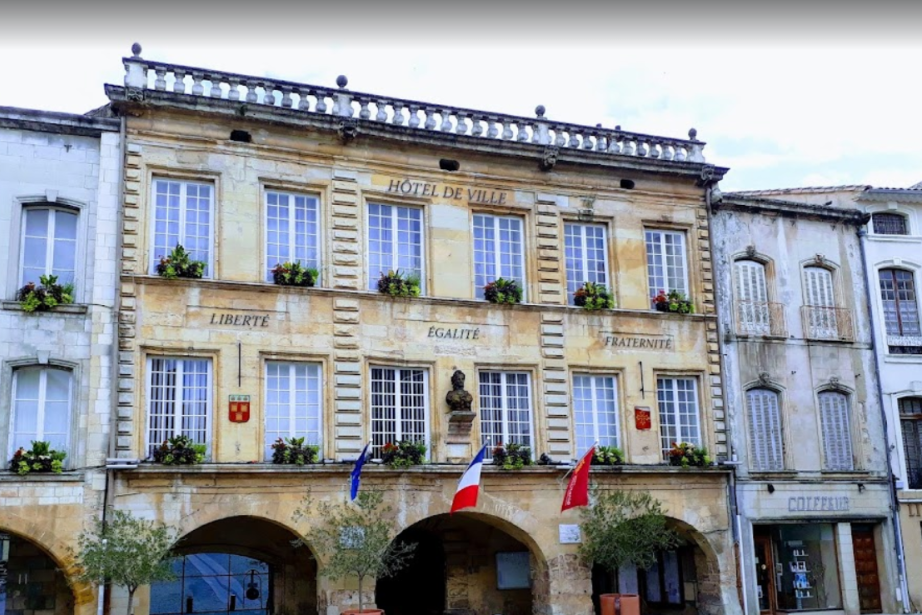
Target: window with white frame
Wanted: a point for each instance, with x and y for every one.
(837, 434)
(292, 230)
(667, 267)
(49, 244)
(901, 311)
(595, 411)
(293, 403)
(395, 242)
(41, 408)
(765, 437)
(586, 251)
(505, 409)
(183, 215)
(911, 426)
(499, 251)
(399, 406)
(679, 417)
(178, 400)
(885, 223)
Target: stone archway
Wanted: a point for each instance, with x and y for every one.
(31, 580)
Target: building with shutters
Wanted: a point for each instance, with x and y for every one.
(812, 489)
(59, 183)
(248, 172)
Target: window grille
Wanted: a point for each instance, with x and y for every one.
(889, 224)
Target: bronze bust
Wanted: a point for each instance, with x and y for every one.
(458, 399)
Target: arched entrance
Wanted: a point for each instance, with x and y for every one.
(239, 565)
(463, 564)
(30, 580)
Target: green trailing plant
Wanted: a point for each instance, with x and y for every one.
(622, 528)
(180, 264)
(40, 458)
(398, 284)
(608, 456)
(673, 301)
(511, 456)
(295, 274)
(179, 451)
(591, 296)
(293, 451)
(46, 296)
(404, 454)
(125, 551)
(502, 290)
(686, 454)
(355, 539)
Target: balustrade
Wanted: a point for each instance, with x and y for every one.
(827, 323)
(760, 318)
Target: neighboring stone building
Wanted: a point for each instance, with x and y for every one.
(59, 185)
(800, 379)
(247, 172)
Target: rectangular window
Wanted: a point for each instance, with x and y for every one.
(586, 254)
(292, 230)
(666, 262)
(49, 244)
(41, 408)
(399, 406)
(499, 251)
(178, 400)
(395, 242)
(183, 213)
(911, 424)
(293, 403)
(679, 418)
(505, 409)
(889, 224)
(595, 411)
(898, 294)
(837, 433)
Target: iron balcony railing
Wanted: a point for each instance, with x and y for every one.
(760, 318)
(827, 323)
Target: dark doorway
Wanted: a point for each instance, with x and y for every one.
(866, 568)
(425, 574)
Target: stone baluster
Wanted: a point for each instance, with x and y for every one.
(492, 127)
(668, 151)
(574, 139)
(540, 133)
(414, 116)
(381, 113)
(321, 106)
(681, 155)
(179, 81)
(304, 103)
(641, 148)
(251, 96)
(601, 140)
(430, 118)
(628, 148)
(654, 149)
(234, 92)
(343, 99)
(135, 70)
(446, 120)
(559, 139)
(476, 125)
(215, 91)
(160, 81)
(269, 93)
(461, 126)
(507, 130)
(364, 111)
(589, 140)
(398, 118)
(197, 88)
(614, 143)
(522, 132)
(286, 97)
(696, 154)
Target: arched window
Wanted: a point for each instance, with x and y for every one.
(752, 297)
(837, 433)
(41, 408)
(911, 423)
(821, 315)
(49, 244)
(765, 437)
(901, 311)
(889, 224)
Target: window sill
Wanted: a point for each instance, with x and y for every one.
(70, 308)
(42, 477)
(895, 238)
(905, 358)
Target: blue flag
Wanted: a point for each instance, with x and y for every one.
(357, 472)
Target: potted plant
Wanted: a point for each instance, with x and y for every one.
(40, 458)
(180, 264)
(179, 451)
(293, 451)
(622, 528)
(46, 296)
(673, 301)
(686, 454)
(591, 296)
(295, 274)
(608, 456)
(398, 284)
(502, 290)
(404, 454)
(356, 540)
(512, 456)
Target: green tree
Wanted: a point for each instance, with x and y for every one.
(125, 551)
(356, 538)
(624, 527)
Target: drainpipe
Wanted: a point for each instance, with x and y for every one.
(891, 484)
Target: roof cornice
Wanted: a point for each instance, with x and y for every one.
(737, 202)
(54, 122)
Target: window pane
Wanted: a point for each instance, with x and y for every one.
(293, 408)
(41, 409)
(179, 400)
(889, 224)
(395, 242)
(586, 256)
(291, 230)
(677, 400)
(505, 409)
(182, 216)
(595, 411)
(65, 225)
(398, 406)
(666, 268)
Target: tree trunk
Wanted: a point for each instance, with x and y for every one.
(130, 600)
(361, 606)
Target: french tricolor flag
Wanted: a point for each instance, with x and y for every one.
(469, 485)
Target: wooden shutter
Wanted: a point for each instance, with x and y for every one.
(752, 296)
(837, 435)
(765, 437)
(821, 301)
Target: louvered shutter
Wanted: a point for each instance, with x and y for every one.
(837, 438)
(765, 437)
(752, 297)
(821, 300)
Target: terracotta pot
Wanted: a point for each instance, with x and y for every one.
(363, 612)
(620, 604)
(607, 602)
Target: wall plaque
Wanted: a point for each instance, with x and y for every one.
(569, 534)
(642, 417)
(239, 408)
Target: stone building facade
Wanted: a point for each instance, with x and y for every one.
(812, 489)
(247, 173)
(59, 186)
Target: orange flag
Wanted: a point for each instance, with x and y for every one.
(577, 493)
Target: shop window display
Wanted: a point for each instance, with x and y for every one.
(804, 567)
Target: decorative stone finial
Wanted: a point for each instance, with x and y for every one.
(618, 127)
(136, 50)
(539, 110)
(692, 134)
(342, 81)
(598, 125)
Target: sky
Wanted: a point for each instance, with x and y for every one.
(786, 93)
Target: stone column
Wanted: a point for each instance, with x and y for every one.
(848, 577)
(564, 588)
